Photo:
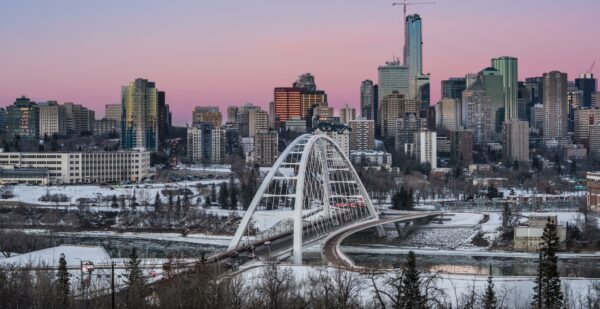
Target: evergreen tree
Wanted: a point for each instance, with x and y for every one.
(397, 200)
(134, 279)
(157, 203)
(411, 285)
(489, 298)
(62, 282)
(547, 290)
(115, 202)
(223, 195)
(536, 164)
(506, 216)
(207, 202)
(410, 199)
(233, 194)
(178, 208)
(134, 202)
(213, 192)
(171, 199)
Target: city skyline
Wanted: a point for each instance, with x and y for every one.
(84, 53)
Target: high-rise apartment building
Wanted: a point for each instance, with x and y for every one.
(394, 106)
(2, 119)
(453, 87)
(595, 141)
(106, 126)
(516, 140)
(201, 139)
(585, 118)
(79, 119)
(423, 92)
(556, 106)
(140, 115)
(164, 118)
(461, 147)
(347, 114)
(339, 133)
(405, 127)
(477, 112)
(426, 148)
(367, 99)
(252, 119)
(113, 111)
(209, 114)
(287, 104)
(588, 85)
(492, 82)
(392, 77)
(22, 119)
(310, 99)
(509, 69)
(537, 117)
(266, 148)
(52, 119)
(448, 114)
(232, 114)
(362, 134)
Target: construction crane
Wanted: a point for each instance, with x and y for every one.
(592, 67)
(405, 3)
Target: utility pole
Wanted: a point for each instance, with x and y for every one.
(112, 284)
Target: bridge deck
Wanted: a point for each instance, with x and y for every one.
(331, 248)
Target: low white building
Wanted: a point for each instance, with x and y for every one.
(378, 158)
(529, 238)
(82, 167)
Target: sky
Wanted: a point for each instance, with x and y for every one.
(232, 52)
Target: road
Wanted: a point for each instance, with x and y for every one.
(331, 248)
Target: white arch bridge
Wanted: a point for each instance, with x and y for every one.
(311, 192)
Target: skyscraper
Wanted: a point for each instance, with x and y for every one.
(78, 118)
(306, 81)
(392, 107)
(392, 77)
(140, 115)
(251, 120)
(347, 114)
(453, 87)
(491, 80)
(362, 134)
(516, 140)
(52, 119)
(413, 52)
(287, 104)
(22, 119)
(114, 112)
(448, 114)
(588, 84)
(423, 91)
(207, 114)
(477, 112)
(367, 99)
(509, 69)
(556, 106)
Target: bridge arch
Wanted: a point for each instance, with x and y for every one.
(313, 188)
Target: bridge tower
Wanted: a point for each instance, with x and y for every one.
(310, 191)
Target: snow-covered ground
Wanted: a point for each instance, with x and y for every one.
(197, 238)
(218, 168)
(32, 194)
(512, 292)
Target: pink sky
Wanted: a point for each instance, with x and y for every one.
(231, 53)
